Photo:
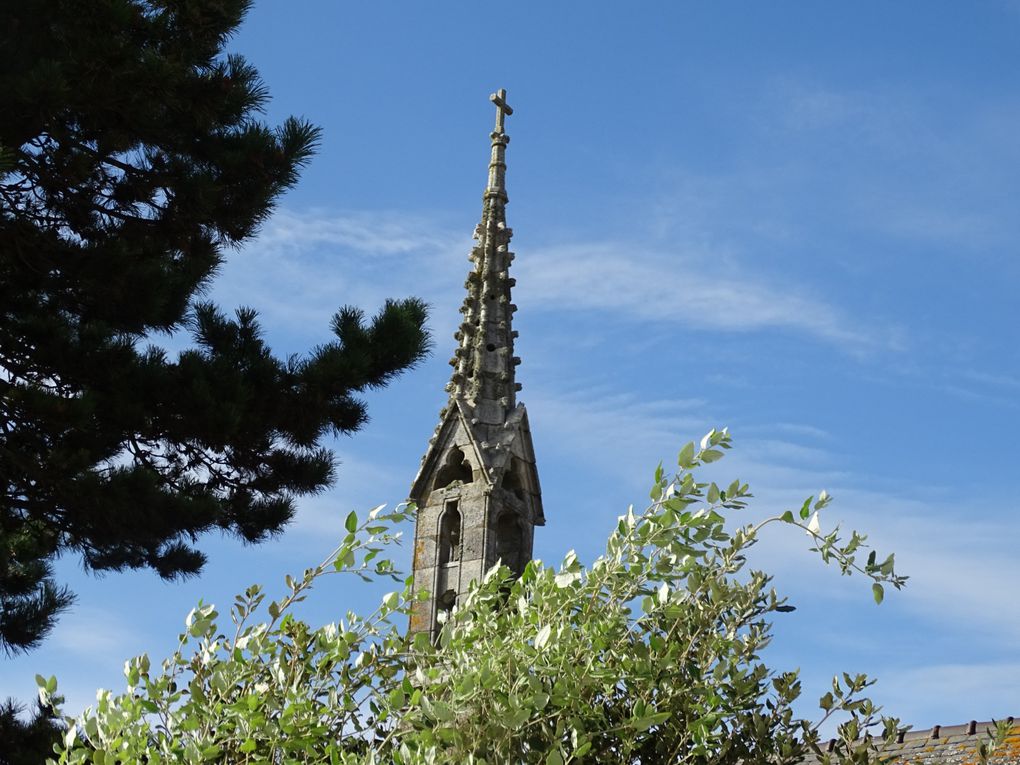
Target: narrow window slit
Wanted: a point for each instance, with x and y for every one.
(449, 535)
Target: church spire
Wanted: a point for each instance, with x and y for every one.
(484, 363)
(477, 492)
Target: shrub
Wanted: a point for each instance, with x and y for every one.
(650, 654)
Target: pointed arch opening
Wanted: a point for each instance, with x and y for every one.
(450, 535)
(513, 479)
(510, 542)
(455, 468)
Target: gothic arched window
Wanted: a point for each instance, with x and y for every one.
(510, 542)
(449, 535)
(513, 479)
(455, 468)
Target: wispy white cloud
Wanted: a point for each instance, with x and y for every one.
(621, 433)
(992, 379)
(960, 556)
(376, 235)
(99, 637)
(303, 267)
(649, 284)
(98, 633)
(974, 394)
(960, 560)
(875, 115)
(942, 222)
(987, 387)
(796, 429)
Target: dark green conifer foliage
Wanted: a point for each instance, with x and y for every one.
(27, 741)
(131, 159)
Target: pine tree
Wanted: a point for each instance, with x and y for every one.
(132, 158)
(27, 741)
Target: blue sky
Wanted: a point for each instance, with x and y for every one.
(794, 219)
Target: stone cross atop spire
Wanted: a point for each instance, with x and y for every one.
(502, 108)
(484, 363)
(497, 165)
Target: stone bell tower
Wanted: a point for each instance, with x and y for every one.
(477, 490)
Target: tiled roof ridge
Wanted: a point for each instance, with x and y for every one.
(968, 729)
(939, 745)
(971, 728)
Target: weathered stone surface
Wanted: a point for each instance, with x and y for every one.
(425, 551)
(421, 617)
(474, 541)
(489, 411)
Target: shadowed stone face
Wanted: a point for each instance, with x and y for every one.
(510, 541)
